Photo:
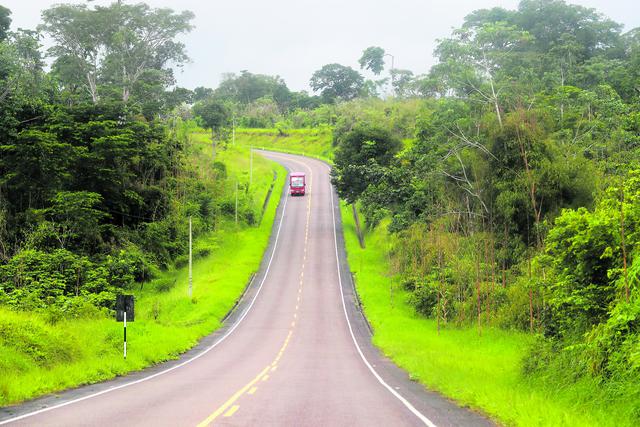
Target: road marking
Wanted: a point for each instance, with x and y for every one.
(232, 411)
(249, 388)
(186, 362)
(404, 401)
(232, 399)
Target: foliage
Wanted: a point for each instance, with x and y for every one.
(5, 22)
(337, 82)
(372, 59)
(109, 50)
(360, 155)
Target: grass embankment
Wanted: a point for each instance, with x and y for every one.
(37, 357)
(479, 371)
(316, 142)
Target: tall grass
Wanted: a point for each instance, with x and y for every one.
(482, 372)
(315, 142)
(37, 357)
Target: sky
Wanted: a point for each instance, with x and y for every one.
(294, 38)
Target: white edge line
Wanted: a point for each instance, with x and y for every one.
(208, 349)
(404, 401)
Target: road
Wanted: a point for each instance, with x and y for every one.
(296, 352)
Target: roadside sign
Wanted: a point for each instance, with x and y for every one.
(124, 304)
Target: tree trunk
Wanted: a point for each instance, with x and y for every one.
(356, 219)
(93, 88)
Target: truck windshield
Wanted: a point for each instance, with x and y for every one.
(297, 181)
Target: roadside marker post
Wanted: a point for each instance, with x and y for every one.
(124, 312)
(125, 334)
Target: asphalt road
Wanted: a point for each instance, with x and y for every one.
(296, 352)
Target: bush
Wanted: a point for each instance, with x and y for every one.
(424, 298)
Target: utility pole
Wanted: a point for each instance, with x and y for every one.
(250, 166)
(392, 69)
(233, 131)
(236, 201)
(190, 259)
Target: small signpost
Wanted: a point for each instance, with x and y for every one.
(124, 312)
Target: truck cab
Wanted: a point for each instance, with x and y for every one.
(297, 183)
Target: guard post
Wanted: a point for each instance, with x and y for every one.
(124, 313)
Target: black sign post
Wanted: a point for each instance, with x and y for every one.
(124, 312)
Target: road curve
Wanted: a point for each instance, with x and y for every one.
(296, 352)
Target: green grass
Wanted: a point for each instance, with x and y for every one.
(37, 357)
(482, 372)
(316, 142)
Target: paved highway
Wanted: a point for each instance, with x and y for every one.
(296, 352)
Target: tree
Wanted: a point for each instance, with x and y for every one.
(476, 63)
(372, 59)
(73, 220)
(361, 154)
(403, 83)
(115, 45)
(33, 167)
(337, 82)
(247, 88)
(215, 115)
(201, 93)
(5, 22)
(142, 39)
(80, 36)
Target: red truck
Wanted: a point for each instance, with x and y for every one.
(297, 183)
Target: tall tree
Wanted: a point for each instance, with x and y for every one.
(337, 82)
(116, 45)
(213, 114)
(142, 39)
(80, 38)
(5, 22)
(475, 62)
(361, 154)
(372, 59)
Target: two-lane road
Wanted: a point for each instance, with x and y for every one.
(296, 351)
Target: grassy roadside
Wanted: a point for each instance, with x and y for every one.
(316, 142)
(481, 372)
(37, 357)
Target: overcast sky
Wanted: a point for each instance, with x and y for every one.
(293, 38)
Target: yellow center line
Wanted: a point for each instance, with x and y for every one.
(232, 411)
(250, 388)
(233, 398)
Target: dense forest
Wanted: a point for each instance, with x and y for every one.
(514, 195)
(508, 174)
(95, 181)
